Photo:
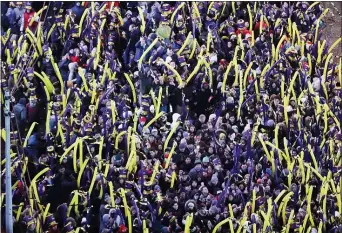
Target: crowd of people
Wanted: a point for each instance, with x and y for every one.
(170, 117)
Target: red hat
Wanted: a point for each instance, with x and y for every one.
(142, 119)
(122, 229)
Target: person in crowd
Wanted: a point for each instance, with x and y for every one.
(173, 117)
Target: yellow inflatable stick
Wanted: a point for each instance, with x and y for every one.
(46, 81)
(29, 133)
(132, 87)
(223, 87)
(170, 135)
(186, 42)
(81, 172)
(170, 156)
(317, 23)
(178, 77)
(146, 51)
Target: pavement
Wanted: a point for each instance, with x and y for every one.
(333, 29)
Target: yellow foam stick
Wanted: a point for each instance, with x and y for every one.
(173, 179)
(302, 48)
(312, 157)
(230, 208)
(284, 201)
(311, 6)
(317, 23)
(142, 18)
(4, 160)
(153, 97)
(29, 132)
(269, 211)
(153, 120)
(58, 74)
(98, 50)
(47, 122)
(240, 97)
(261, 23)
(278, 47)
(326, 67)
(301, 167)
(223, 87)
(46, 81)
(187, 224)
(170, 135)
(113, 108)
(320, 51)
(9, 60)
(132, 87)
(144, 226)
(199, 63)
(310, 63)
(250, 18)
(72, 203)
(334, 44)
(111, 193)
(194, 45)
(146, 51)
(100, 151)
(81, 21)
(118, 137)
(170, 155)
(186, 42)
(50, 31)
(246, 74)
(81, 172)
(263, 74)
(222, 223)
(289, 222)
(265, 148)
(92, 181)
(135, 120)
(81, 150)
(253, 200)
(37, 14)
(123, 195)
(155, 171)
(210, 73)
(39, 175)
(209, 38)
(159, 100)
(255, 130)
(273, 54)
(67, 151)
(106, 170)
(178, 77)
(242, 222)
(279, 196)
(74, 158)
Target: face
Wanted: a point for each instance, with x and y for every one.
(175, 206)
(205, 191)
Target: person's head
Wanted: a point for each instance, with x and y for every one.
(205, 191)
(175, 206)
(28, 7)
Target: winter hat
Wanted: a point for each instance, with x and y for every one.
(142, 119)
(205, 159)
(197, 161)
(105, 218)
